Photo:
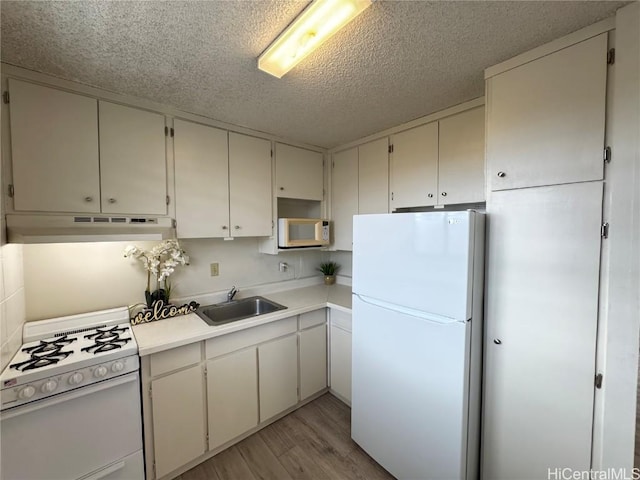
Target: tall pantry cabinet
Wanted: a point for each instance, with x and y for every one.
(545, 171)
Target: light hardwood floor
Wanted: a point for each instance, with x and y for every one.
(312, 443)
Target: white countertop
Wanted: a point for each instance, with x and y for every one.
(174, 332)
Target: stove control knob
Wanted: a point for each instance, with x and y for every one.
(100, 372)
(26, 392)
(76, 378)
(49, 386)
(117, 367)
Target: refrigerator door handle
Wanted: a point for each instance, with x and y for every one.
(426, 316)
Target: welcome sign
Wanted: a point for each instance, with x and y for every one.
(160, 311)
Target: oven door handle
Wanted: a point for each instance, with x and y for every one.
(114, 467)
(64, 397)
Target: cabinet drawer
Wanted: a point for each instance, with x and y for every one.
(341, 319)
(174, 359)
(252, 336)
(311, 319)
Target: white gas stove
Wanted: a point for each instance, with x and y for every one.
(72, 372)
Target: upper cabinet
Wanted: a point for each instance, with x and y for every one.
(461, 158)
(202, 180)
(71, 153)
(414, 167)
(344, 197)
(439, 163)
(563, 95)
(223, 183)
(299, 173)
(54, 150)
(373, 177)
(133, 171)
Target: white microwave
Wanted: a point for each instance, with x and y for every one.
(302, 232)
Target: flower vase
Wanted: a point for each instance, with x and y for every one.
(160, 294)
(329, 279)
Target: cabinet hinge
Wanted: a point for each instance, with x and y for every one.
(168, 199)
(150, 391)
(5, 96)
(391, 148)
(166, 131)
(598, 381)
(391, 195)
(11, 191)
(333, 164)
(174, 223)
(172, 132)
(611, 56)
(607, 155)
(272, 153)
(604, 230)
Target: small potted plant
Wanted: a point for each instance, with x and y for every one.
(329, 270)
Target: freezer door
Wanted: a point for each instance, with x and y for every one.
(423, 261)
(410, 392)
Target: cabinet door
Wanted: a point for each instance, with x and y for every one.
(542, 314)
(178, 419)
(202, 180)
(250, 196)
(344, 197)
(546, 119)
(299, 173)
(313, 360)
(373, 177)
(133, 162)
(414, 167)
(461, 158)
(278, 374)
(340, 375)
(232, 392)
(54, 149)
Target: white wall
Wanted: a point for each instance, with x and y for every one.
(12, 314)
(64, 279)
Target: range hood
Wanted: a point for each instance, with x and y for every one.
(86, 228)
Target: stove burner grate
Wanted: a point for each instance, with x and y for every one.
(44, 354)
(106, 340)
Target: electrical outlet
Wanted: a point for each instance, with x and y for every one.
(215, 269)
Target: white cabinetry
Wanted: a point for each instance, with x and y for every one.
(461, 158)
(278, 376)
(178, 419)
(54, 150)
(232, 393)
(414, 167)
(344, 197)
(340, 347)
(223, 183)
(133, 169)
(202, 180)
(299, 173)
(313, 353)
(545, 130)
(63, 157)
(373, 177)
(549, 109)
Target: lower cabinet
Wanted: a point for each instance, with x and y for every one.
(340, 337)
(204, 396)
(178, 419)
(232, 395)
(278, 375)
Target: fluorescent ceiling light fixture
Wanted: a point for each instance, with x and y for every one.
(316, 24)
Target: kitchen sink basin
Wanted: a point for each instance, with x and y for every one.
(228, 312)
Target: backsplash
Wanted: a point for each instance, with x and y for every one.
(12, 301)
(64, 279)
(344, 259)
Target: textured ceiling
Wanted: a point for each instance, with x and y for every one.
(398, 61)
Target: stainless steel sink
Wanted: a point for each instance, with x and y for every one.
(228, 312)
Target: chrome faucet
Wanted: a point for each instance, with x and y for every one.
(231, 293)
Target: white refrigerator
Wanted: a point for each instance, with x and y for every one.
(417, 342)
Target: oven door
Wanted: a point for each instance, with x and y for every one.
(91, 432)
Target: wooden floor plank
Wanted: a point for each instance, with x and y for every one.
(312, 443)
(229, 465)
(261, 460)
